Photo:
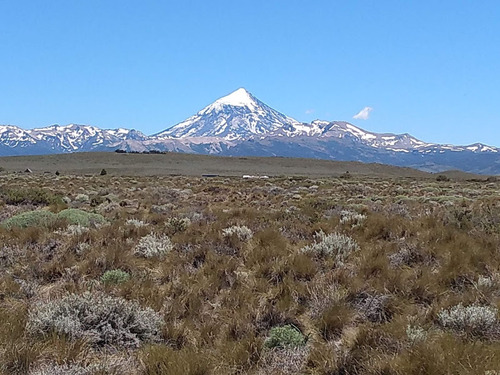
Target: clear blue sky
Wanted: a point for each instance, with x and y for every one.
(429, 68)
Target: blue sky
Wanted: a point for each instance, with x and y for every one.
(429, 68)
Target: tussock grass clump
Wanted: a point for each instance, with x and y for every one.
(153, 245)
(109, 366)
(33, 196)
(283, 337)
(98, 318)
(473, 320)
(335, 245)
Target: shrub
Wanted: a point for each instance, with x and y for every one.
(153, 245)
(442, 177)
(375, 307)
(176, 224)
(74, 216)
(473, 320)
(243, 233)
(115, 277)
(35, 196)
(100, 319)
(136, 223)
(76, 230)
(352, 218)
(335, 245)
(103, 172)
(36, 218)
(415, 334)
(82, 198)
(287, 336)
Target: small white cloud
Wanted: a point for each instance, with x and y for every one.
(364, 114)
(309, 111)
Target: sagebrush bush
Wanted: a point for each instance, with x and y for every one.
(38, 218)
(472, 320)
(97, 318)
(335, 245)
(352, 218)
(82, 198)
(76, 230)
(286, 336)
(242, 232)
(75, 216)
(415, 334)
(178, 224)
(375, 307)
(153, 245)
(115, 277)
(136, 223)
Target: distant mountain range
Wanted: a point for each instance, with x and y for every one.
(241, 125)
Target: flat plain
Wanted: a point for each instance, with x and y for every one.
(197, 165)
(157, 270)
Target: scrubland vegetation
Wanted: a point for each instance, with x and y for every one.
(193, 276)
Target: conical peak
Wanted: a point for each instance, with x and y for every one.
(238, 98)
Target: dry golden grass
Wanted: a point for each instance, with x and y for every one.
(423, 247)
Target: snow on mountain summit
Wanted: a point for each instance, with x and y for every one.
(238, 98)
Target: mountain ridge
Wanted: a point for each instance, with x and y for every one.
(239, 124)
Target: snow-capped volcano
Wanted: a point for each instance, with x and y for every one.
(239, 124)
(238, 115)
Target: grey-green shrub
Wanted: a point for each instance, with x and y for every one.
(474, 320)
(178, 224)
(415, 334)
(286, 336)
(335, 245)
(352, 218)
(75, 216)
(242, 232)
(82, 198)
(97, 318)
(39, 218)
(136, 223)
(153, 245)
(115, 277)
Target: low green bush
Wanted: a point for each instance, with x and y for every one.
(40, 218)
(286, 336)
(75, 216)
(115, 277)
(45, 218)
